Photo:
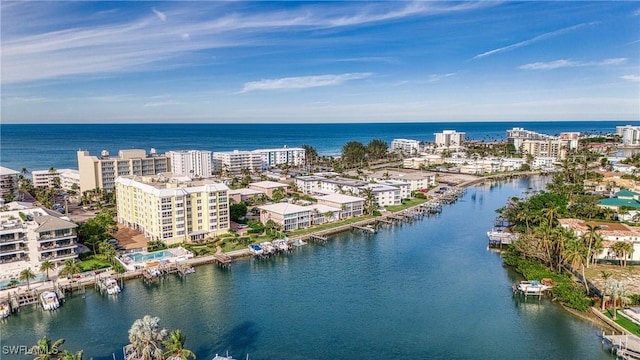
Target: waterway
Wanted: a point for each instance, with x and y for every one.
(424, 290)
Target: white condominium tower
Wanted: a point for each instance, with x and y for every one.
(173, 209)
(449, 138)
(630, 135)
(101, 172)
(236, 160)
(192, 163)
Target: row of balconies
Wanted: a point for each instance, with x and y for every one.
(58, 256)
(13, 249)
(9, 239)
(55, 236)
(56, 246)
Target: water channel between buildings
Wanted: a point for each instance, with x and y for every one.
(423, 290)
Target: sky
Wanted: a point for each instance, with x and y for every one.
(325, 61)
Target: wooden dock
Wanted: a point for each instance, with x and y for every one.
(318, 238)
(625, 347)
(222, 260)
(367, 229)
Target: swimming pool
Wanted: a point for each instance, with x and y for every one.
(5, 283)
(141, 257)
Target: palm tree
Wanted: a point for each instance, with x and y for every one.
(46, 266)
(175, 347)
(590, 236)
(70, 268)
(605, 276)
(576, 253)
(146, 339)
(27, 275)
(616, 289)
(45, 350)
(624, 248)
(68, 355)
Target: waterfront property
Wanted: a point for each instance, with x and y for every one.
(449, 139)
(32, 235)
(611, 234)
(405, 146)
(173, 209)
(293, 217)
(143, 259)
(350, 206)
(417, 180)
(46, 178)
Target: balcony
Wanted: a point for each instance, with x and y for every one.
(13, 250)
(8, 240)
(63, 256)
(56, 236)
(56, 246)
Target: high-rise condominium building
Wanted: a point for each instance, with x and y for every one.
(236, 160)
(192, 163)
(173, 209)
(449, 138)
(630, 134)
(101, 172)
(8, 184)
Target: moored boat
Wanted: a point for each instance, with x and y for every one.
(112, 286)
(49, 300)
(5, 309)
(256, 249)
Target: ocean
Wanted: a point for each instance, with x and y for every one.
(42, 146)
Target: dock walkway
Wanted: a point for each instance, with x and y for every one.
(624, 346)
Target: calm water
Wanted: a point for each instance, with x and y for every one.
(39, 147)
(426, 290)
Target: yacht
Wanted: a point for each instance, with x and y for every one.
(5, 309)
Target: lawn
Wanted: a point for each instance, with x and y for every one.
(94, 263)
(624, 322)
(406, 204)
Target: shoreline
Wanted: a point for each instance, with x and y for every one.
(90, 278)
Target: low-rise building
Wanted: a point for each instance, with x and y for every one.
(417, 180)
(173, 209)
(30, 236)
(404, 187)
(239, 195)
(267, 187)
(611, 234)
(46, 178)
(309, 184)
(622, 198)
(288, 216)
(385, 195)
(405, 146)
(350, 206)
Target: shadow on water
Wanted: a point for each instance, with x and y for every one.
(240, 339)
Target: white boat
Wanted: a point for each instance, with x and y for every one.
(531, 287)
(281, 245)
(112, 286)
(299, 242)
(268, 247)
(49, 300)
(5, 309)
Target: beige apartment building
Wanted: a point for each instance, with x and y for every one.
(546, 148)
(101, 172)
(173, 209)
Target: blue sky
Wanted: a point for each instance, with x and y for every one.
(344, 61)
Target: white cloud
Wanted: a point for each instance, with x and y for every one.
(532, 40)
(563, 63)
(635, 78)
(438, 77)
(161, 103)
(302, 82)
(120, 44)
(162, 16)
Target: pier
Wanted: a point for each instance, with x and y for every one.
(367, 229)
(625, 347)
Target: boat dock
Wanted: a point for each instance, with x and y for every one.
(625, 347)
(367, 229)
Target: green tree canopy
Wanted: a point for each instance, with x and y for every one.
(353, 153)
